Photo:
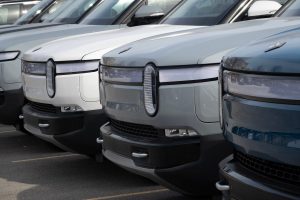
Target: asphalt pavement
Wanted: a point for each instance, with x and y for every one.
(32, 169)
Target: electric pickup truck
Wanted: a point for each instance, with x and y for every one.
(11, 10)
(13, 45)
(259, 95)
(49, 13)
(161, 98)
(74, 93)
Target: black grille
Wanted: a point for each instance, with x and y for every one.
(282, 172)
(44, 107)
(137, 129)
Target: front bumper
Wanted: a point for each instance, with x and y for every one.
(76, 132)
(11, 102)
(246, 185)
(188, 166)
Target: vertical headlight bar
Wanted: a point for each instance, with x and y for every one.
(50, 78)
(221, 96)
(150, 90)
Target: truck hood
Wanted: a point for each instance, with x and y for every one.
(26, 40)
(199, 46)
(93, 45)
(16, 28)
(277, 55)
(8, 26)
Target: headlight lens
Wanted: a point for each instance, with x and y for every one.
(77, 67)
(150, 90)
(8, 55)
(122, 75)
(33, 68)
(220, 81)
(50, 78)
(273, 88)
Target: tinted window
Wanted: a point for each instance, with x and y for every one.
(107, 12)
(200, 12)
(10, 12)
(165, 5)
(33, 12)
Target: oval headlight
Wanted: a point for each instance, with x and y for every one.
(50, 78)
(150, 90)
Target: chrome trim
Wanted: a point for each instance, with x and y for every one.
(221, 187)
(139, 155)
(99, 141)
(44, 125)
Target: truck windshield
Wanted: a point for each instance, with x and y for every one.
(11, 11)
(200, 12)
(292, 10)
(33, 12)
(68, 11)
(107, 12)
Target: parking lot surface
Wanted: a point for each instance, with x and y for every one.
(33, 169)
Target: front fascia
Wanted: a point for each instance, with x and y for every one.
(187, 102)
(74, 89)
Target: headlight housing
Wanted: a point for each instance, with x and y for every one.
(50, 78)
(131, 76)
(262, 87)
(9, 55)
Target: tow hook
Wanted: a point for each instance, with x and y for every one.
(99, 141)
(224, 188)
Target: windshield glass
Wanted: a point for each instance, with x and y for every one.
(32, 13)
(200, 12)
(107, 12)
(67, 11)
(165, 5)
(10, 12)
(292, 11)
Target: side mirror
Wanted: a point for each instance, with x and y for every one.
(260, 9)
(147, 15)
